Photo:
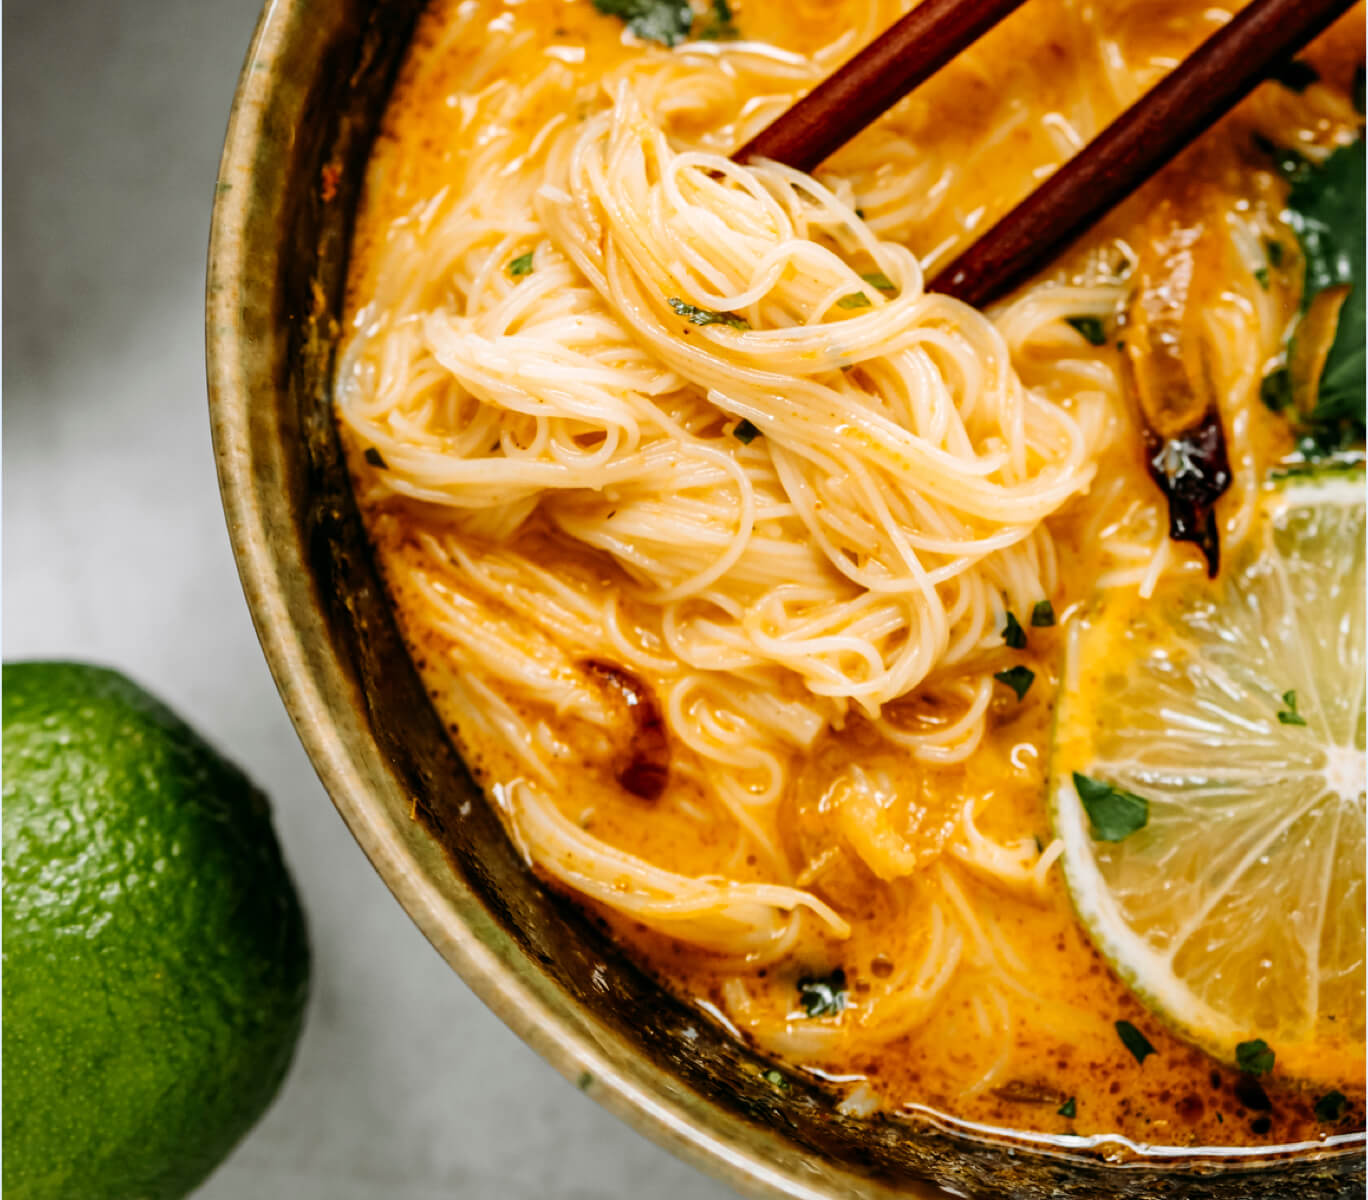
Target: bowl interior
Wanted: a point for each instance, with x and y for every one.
(310, 99)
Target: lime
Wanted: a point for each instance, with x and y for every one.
(1208, 787)
(155, 959)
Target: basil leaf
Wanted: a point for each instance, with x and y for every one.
(665, 21)
(1254, 1057)
(1019, 679)
(1134, 1041)
(823, 997)
(1113, 814)
(707, 316)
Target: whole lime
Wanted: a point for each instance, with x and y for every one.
(156, 964)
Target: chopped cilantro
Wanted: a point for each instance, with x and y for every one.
(854, 300)
(1275, 252)
(376, 459)
(707, 316)
(745, 432)
(1261, 277)
(823, 997)
(1290, 715)
(666, 21)
(1019, 679)
(720, 25)
(1331, 1107)
(1013, 634)
(879, 280)
(775, 1078)
(1296, 74)
(1134, 1041)
(1068, 1109)
(520, 266)
(585, 1081)
(1042, 615)
(1113, 814)
(1093, 330)
(1276, 389)
(1256, 1057)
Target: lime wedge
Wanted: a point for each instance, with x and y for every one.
(1235, 712)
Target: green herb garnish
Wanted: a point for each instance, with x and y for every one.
(1276, 389)
(1261, 277)
(1275, 252)
(1042, 615)
(879, 280)
(1019, 679)
(1013, 634)
(665, 21)
(823, 997)
(376, 459)
(720, 26)
(1068, 1109)
(1134, 1041)
(854, 300)
(1331, 1107)
(1290, 715)
(745, 432)
(1326, 210)
(1255, 1058)
(1113, 814)
(520, 266)
(707, 316)
(1296, 75)
(1093, 330)
(775, 1078)
(585, 1081)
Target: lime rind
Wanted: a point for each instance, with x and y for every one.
(1237, 912)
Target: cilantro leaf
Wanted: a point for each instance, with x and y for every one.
(745, 432)
(1134, 1041)
(854, 300)
(707, 316)
(1042, 615)
(1019, 679)
(1255, 1057)
(823, 997)
(1068, 1109)
(1290, 715)
(1013, 634)
(1093, 330)
(520, 266)
(1331, 1107)
(720, 26)
(1113, 814)
(879, 280)
(1276, 389)
(665, 21)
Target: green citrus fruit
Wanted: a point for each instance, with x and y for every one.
(1209, 774)
(155, 959)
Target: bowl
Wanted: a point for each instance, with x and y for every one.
(311, 96)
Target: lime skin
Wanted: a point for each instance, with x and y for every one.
(156, 963)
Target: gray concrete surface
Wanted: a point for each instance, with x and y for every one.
(404, 1087)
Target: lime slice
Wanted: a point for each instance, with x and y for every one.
(1237, 911)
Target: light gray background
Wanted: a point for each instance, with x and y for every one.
(404, 1086)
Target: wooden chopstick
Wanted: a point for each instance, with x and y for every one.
(904, 55)
(1191, 98)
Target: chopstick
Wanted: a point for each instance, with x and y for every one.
(1191, 98)
(904, 55)
(1197, 93)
